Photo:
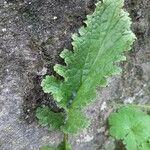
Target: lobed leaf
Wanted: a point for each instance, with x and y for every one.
(97, 49)
(49, 118)
(132, 126)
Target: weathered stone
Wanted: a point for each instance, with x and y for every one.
(32, 34)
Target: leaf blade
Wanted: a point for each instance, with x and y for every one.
(131, 126)
(96, 50)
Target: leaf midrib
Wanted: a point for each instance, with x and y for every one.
(109, 27)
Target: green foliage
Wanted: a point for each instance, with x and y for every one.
(132, 126)
(47, 148)
(64, 146)
(96, 50)
(49, 118)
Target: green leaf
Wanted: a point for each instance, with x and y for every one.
(47, 148)
(97, 49)
(49, 118)
(51, 85)
(130, 125)
(145, 146)
(64, 146)
(78, 121)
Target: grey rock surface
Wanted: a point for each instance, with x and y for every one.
(32, 34)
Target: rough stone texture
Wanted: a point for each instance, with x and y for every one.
(32, 34)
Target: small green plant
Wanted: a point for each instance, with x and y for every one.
(132, 126)
(97, 49)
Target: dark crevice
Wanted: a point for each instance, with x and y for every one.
(70, 18)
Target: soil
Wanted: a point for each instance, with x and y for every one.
(32, 34)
